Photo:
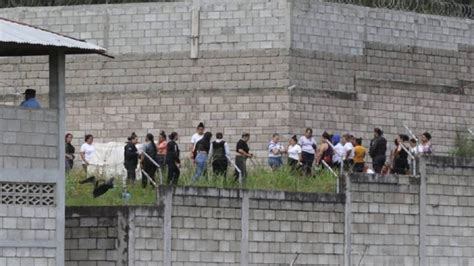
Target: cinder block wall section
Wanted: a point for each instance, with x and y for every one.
(354, 68)
(450, 211)
(29, 138)
(388, 220)
(28, 193)
(385, 220)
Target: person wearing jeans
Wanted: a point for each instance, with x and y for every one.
(308, 147)
(275, 150)
(202, 152)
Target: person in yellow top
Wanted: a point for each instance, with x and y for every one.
(359, 156)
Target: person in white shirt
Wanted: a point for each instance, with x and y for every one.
(338, 151)
(425, 146)
(294, 153)
(275, 150)
(348, 153)
(308, 147)
(197, 137)
(87, 151)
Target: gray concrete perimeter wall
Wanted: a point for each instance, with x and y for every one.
(354, 68)
(393, 222)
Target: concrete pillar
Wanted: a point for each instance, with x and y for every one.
(244, 242)
(168, 202)
(422, 224)
(348, 223)
(57, 100)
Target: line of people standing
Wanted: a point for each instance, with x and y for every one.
(303, 152)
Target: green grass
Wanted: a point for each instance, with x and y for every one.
(464, 145)
(259, 178)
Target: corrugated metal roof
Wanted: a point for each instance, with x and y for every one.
(29, 37)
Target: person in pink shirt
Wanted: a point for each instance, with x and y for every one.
(162, 149)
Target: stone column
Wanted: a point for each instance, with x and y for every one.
(57, 100)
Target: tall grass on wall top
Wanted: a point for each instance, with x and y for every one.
(464, 145)
(259, 178)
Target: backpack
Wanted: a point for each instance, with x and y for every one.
(218, 151)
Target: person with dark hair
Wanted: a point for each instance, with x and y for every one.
(172, 159)
(325, 151)
(161, 157)
(219, 153)
(131, 158)
(359, 156)
(243, 152)
(70, 150)
(308, 147)
(87, 151)
(202, 148)
(148, 166)
(378, 150)
(275, 151)
(338, 151)
(294, 153)
(30, 101)
(348, 153)
(197, 137)
(425, 146)
(413, 149)
(400, 161)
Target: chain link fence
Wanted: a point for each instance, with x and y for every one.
(451, 8)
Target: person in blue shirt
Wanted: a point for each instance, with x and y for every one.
(30, 100)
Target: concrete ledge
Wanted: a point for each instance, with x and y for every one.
(108, 211)
(254, 194)
(445, 161)
(377, 179)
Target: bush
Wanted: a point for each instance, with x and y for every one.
(464, 145)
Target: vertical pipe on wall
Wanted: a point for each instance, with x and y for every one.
(195, 31)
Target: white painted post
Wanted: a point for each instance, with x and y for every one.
(57, 100)
(195, 32)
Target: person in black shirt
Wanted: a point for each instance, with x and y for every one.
(219, 153)
(202, 151)
(131, 158)
(172, 159)
(400, 161)
(243, 152)
(378, 148)
(70, 150)
(148, 165)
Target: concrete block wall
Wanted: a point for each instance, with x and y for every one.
(28, 138)
(385, 220)
(28, 256)
(281, 229)
(390, 76)
(260, 112)
(91, 237)
(342, 28)
(450, 211)
(205, 230)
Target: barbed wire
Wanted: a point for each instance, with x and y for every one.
(451, 8)
(19, 3)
